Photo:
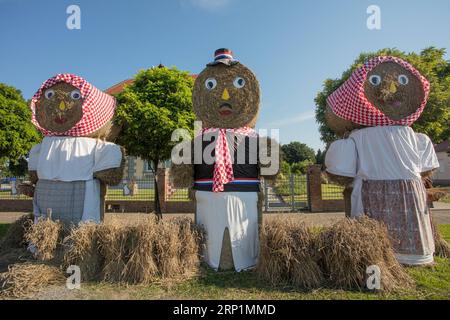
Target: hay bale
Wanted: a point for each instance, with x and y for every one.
(81, 248)
(167, 250)
(141, 266)
(350, 246)
(339, 125)
(287, 255)
(442, 247)
(24, 279)
(15, 235)
(192, 241)
(226, 254)
(46, 235)
(113, 240)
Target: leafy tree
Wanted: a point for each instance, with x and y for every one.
(435, 120)
(300, 168)
(17, 133)
(320, 157)
(149, 110)
(295, 152)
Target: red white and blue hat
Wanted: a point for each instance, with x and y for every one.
(224, 56)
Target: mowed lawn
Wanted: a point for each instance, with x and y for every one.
(432, 283)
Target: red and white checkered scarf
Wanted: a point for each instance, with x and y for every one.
(223, 167)
(98, 107)
(350, 103)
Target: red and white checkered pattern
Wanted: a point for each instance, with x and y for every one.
(349, 101)
(98, 107)
(223, 167)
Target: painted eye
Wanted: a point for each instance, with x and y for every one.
(239, 82)
(75, 95)
(49, 94)
(210, 83)
(403, 79)
(375, 80)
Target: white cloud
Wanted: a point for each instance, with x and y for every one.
(301, 117)
(208, 4)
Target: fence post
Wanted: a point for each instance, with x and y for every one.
(315, 188)
(291, 190)
(163, 183)
(266, 196)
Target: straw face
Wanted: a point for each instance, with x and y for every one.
(226, 96)
(384, 91)
(395, 99)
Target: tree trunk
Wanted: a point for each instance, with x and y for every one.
(157, 204)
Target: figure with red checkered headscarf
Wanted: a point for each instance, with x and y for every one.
(226, 168)
(71, 167)
(380, 155)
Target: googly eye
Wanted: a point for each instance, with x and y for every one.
(49, 94)
(403, 79)
(210, 83)
(375, 80)
(239, 82)
(75, 95)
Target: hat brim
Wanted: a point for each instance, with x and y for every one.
(227, 62)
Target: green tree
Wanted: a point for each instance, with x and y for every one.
(17, 133)
(435, 120)
(300, 168)
(295, 152)
(149, 110)
(320, 157)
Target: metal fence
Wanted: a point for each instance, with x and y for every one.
(176, 194)
(9, 188)
(287, 194)
(135, 189)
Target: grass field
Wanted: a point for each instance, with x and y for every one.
(432, 283)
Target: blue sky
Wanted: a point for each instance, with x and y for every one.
(292, 45)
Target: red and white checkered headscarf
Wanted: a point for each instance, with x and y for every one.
(223, 167)
(98, 107)
(350, 103)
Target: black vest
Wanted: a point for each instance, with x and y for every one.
(246, 170)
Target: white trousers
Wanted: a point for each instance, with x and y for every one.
(239, 212)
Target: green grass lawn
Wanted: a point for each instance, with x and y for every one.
(432, 283)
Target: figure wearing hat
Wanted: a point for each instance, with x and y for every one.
(227, 167)
(73, 164)
(381, 156)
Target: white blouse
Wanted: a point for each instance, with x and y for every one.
(71, 159)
